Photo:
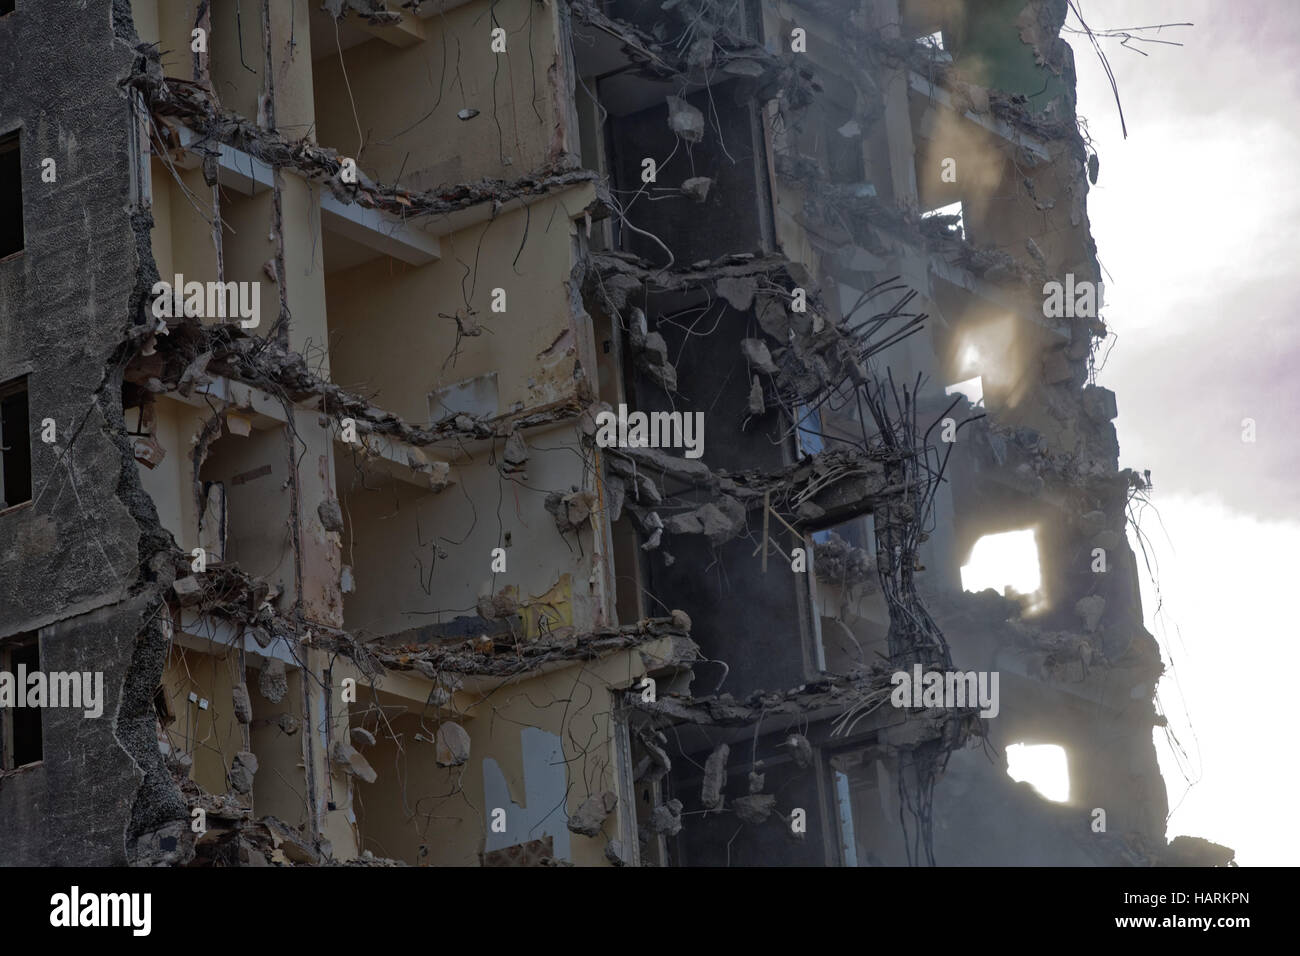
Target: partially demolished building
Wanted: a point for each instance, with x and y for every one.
(311, 316)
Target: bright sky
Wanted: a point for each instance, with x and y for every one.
(1197, 222)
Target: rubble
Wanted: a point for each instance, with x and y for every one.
(242, 770)
(273, 682)
(346, 756)
(715, 777)
(754, 807)
(453, 745)
(591, 813)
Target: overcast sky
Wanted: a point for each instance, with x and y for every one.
(1197, 222)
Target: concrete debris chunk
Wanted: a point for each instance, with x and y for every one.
(700, 53)
(1099, 403)
(756, 404)
(1090, 609)
(330, 514)
(147, 451)
(800, 749)
(773, 317)
(655, 765)
(514, 460)
(243, 706)
(242, 770)
(666, 818)
(685, 120)
(615, 853)
(756, 781)
(438, 476)
(288, 723)
(697, 187)
(273, 682)
(361, 737)
(839, 563)
(570, 511)
(758, 356)
(654, 527)
(651, 353)
(718, 522)
(715, 777)
(188, 590)
(452, 745)
(681, 620)
(754, 807)
(347, 757)
(591, 813)
(195, 375)
(738, 291)
(289, 841)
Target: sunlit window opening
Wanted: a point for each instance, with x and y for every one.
(952, 209)
(1004, 562)
(972, 388)
(1043, 767)
(933, 44)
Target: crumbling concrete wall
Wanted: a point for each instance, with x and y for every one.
(88, 538)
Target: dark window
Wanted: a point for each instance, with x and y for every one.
(15, 445)
(11, 192)
(20, 727)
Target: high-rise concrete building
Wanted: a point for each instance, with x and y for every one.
(512, 432)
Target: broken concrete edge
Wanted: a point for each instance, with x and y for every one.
(843, 700)
(172, 101)
(227, 350)
(157, 830)
(820, 490)
(374, 12)
(500, 659)
(812, 351)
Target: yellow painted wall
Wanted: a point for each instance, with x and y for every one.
(388, 339)
(170, 483)
(382, 544)
(214, 735)
(454, 68)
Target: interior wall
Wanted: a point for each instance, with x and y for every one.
(410, 97)
(392, 529)
(539, 748)
(392, 336)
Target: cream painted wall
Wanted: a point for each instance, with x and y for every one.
(214, 735)
(389, 341)
(380, 539)
(455, 69)
(169, 484)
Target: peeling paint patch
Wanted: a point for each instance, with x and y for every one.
(545, 811)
